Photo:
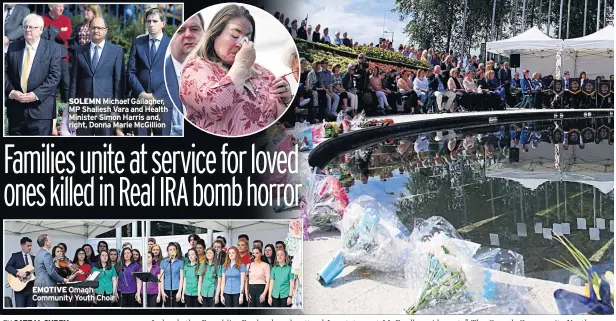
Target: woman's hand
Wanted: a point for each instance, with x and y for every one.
(200, 299)
(289, 300)
(216, 300)
(262, 298)
(183, 299)
(270, 300)
(138, 298)
(164, 295)
(222, 299)
(158, 299)
(246, 56)
(241, 299)
(281, 89)
(178, 296)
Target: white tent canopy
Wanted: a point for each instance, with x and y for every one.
(85, 229)
(601, 41)
(537, 51)
(593, 54)
(531, 42)
(532, 180)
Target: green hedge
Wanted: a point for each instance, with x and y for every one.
(373, 54)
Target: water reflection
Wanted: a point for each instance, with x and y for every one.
(501, 186)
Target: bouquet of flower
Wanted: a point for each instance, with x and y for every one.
(331, 129)
(598, 297)
(376, 122)
(445, 278)
(372, 236)
(325, 201)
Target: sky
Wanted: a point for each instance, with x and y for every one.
(361, 19)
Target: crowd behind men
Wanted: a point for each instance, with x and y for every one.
(216, 276)
(90, 66)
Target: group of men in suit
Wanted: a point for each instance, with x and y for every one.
(98, 71)
(44, 271)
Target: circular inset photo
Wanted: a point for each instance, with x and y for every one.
(232, 69)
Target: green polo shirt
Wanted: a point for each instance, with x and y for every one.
(282, 277)
(210, 279)
(105, 280)
(192, 280)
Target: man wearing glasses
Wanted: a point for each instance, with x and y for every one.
(97, 73)
(33, 70)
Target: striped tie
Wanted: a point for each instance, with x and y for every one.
(25, 71)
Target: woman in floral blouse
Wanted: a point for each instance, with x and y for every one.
(224, 91)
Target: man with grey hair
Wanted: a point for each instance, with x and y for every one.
(33, 71)
(44, 269)
(56, 18)
(437, 86)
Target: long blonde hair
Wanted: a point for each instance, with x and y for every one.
(217, 26)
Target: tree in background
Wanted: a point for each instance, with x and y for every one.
(439, 24)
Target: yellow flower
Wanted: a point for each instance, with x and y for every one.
(586, 290)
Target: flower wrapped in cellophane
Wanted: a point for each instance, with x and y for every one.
(325, 201)
(444, 277)
(372, 236)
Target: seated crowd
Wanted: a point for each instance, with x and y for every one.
(326, 89)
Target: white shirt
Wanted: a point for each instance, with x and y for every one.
(156, 43)
(29, 257)
(178, 66)
(100, 50)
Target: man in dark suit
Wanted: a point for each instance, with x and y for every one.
(437, 86)
(146, 60)
(33, 69)
(19, 260)
(185, 40)
(13, 22)
(504, 75)
(44, 269)
(98, 71)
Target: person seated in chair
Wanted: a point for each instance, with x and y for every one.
(410, 99)
(390, 84)
(527, 90)
(496, 88)
(420, 86)
(475, 98)
(376, 85)
(537, 89)
(453, 84)
(437, 87)
(350, 87)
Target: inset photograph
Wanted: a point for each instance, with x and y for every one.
(89, 70)
(232, 69)
(153, 264)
